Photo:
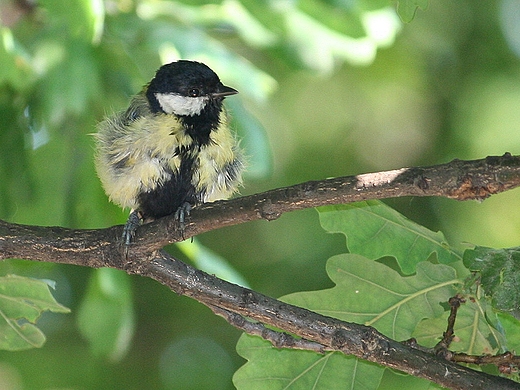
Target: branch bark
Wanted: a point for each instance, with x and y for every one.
(460, 180)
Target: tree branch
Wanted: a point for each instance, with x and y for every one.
(460, 180)
(361, 341)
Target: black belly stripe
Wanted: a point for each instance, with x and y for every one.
(167, 198)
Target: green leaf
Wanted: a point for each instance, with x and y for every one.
(247, 26)
(270, 369)
(370, 293)
(253, 140)
(71, 85)
(366, 292)
(393, 380)
(511, 326)
(22, 301)
(375, 230)
(106, 315)
(337, 31)
(407, 8)
(477, 330)
(228, 14)
(366, 5)
(499, 274)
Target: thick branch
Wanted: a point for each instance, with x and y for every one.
(352, 339)
(101, 248)
(460, 180)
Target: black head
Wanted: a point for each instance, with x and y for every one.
(186, 88)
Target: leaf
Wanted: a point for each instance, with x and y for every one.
(246, 25)
(68, 89)
(270, 369)
(371, 293)
(367, 5)
(511, 326)
(375, 230)
(323, 34)
(15, 67)
(407, 8)
(106, 316)
(499, 274)
(269, 16)
(476, 330)
(22, 301)
(366, 292)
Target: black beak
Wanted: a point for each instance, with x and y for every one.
(224, 91)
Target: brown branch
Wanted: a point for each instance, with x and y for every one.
(507, 362)
(458, 179)
(278, 339)
(101, 248)
(352, 339)
(442, 346)
(461, 180)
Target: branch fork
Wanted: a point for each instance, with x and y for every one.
(251, 311)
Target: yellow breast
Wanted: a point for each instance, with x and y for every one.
(140, 156)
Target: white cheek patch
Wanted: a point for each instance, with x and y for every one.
(173, 103)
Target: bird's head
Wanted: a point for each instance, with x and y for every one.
(186, 88)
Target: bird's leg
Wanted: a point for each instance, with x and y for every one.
(135, 219)
(180, 215)
(133, 222)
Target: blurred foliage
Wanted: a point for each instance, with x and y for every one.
(407, 8)
(328, 88)
(105, 315)
(269, 368)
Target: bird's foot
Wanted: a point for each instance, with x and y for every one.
(133, 222)
(181, 214)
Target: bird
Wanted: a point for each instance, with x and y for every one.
(172, 148)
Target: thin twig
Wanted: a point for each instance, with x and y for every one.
(507, 362)
(442, 347)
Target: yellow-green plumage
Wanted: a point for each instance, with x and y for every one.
(154, 161)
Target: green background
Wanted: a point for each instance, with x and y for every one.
(447, 87)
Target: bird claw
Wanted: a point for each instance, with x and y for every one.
(133, 222)
(180, 215)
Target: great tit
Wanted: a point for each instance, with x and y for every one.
(171, 148)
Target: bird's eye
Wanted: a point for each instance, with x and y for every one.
(194, 92)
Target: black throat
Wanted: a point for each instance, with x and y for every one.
(199, 127)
